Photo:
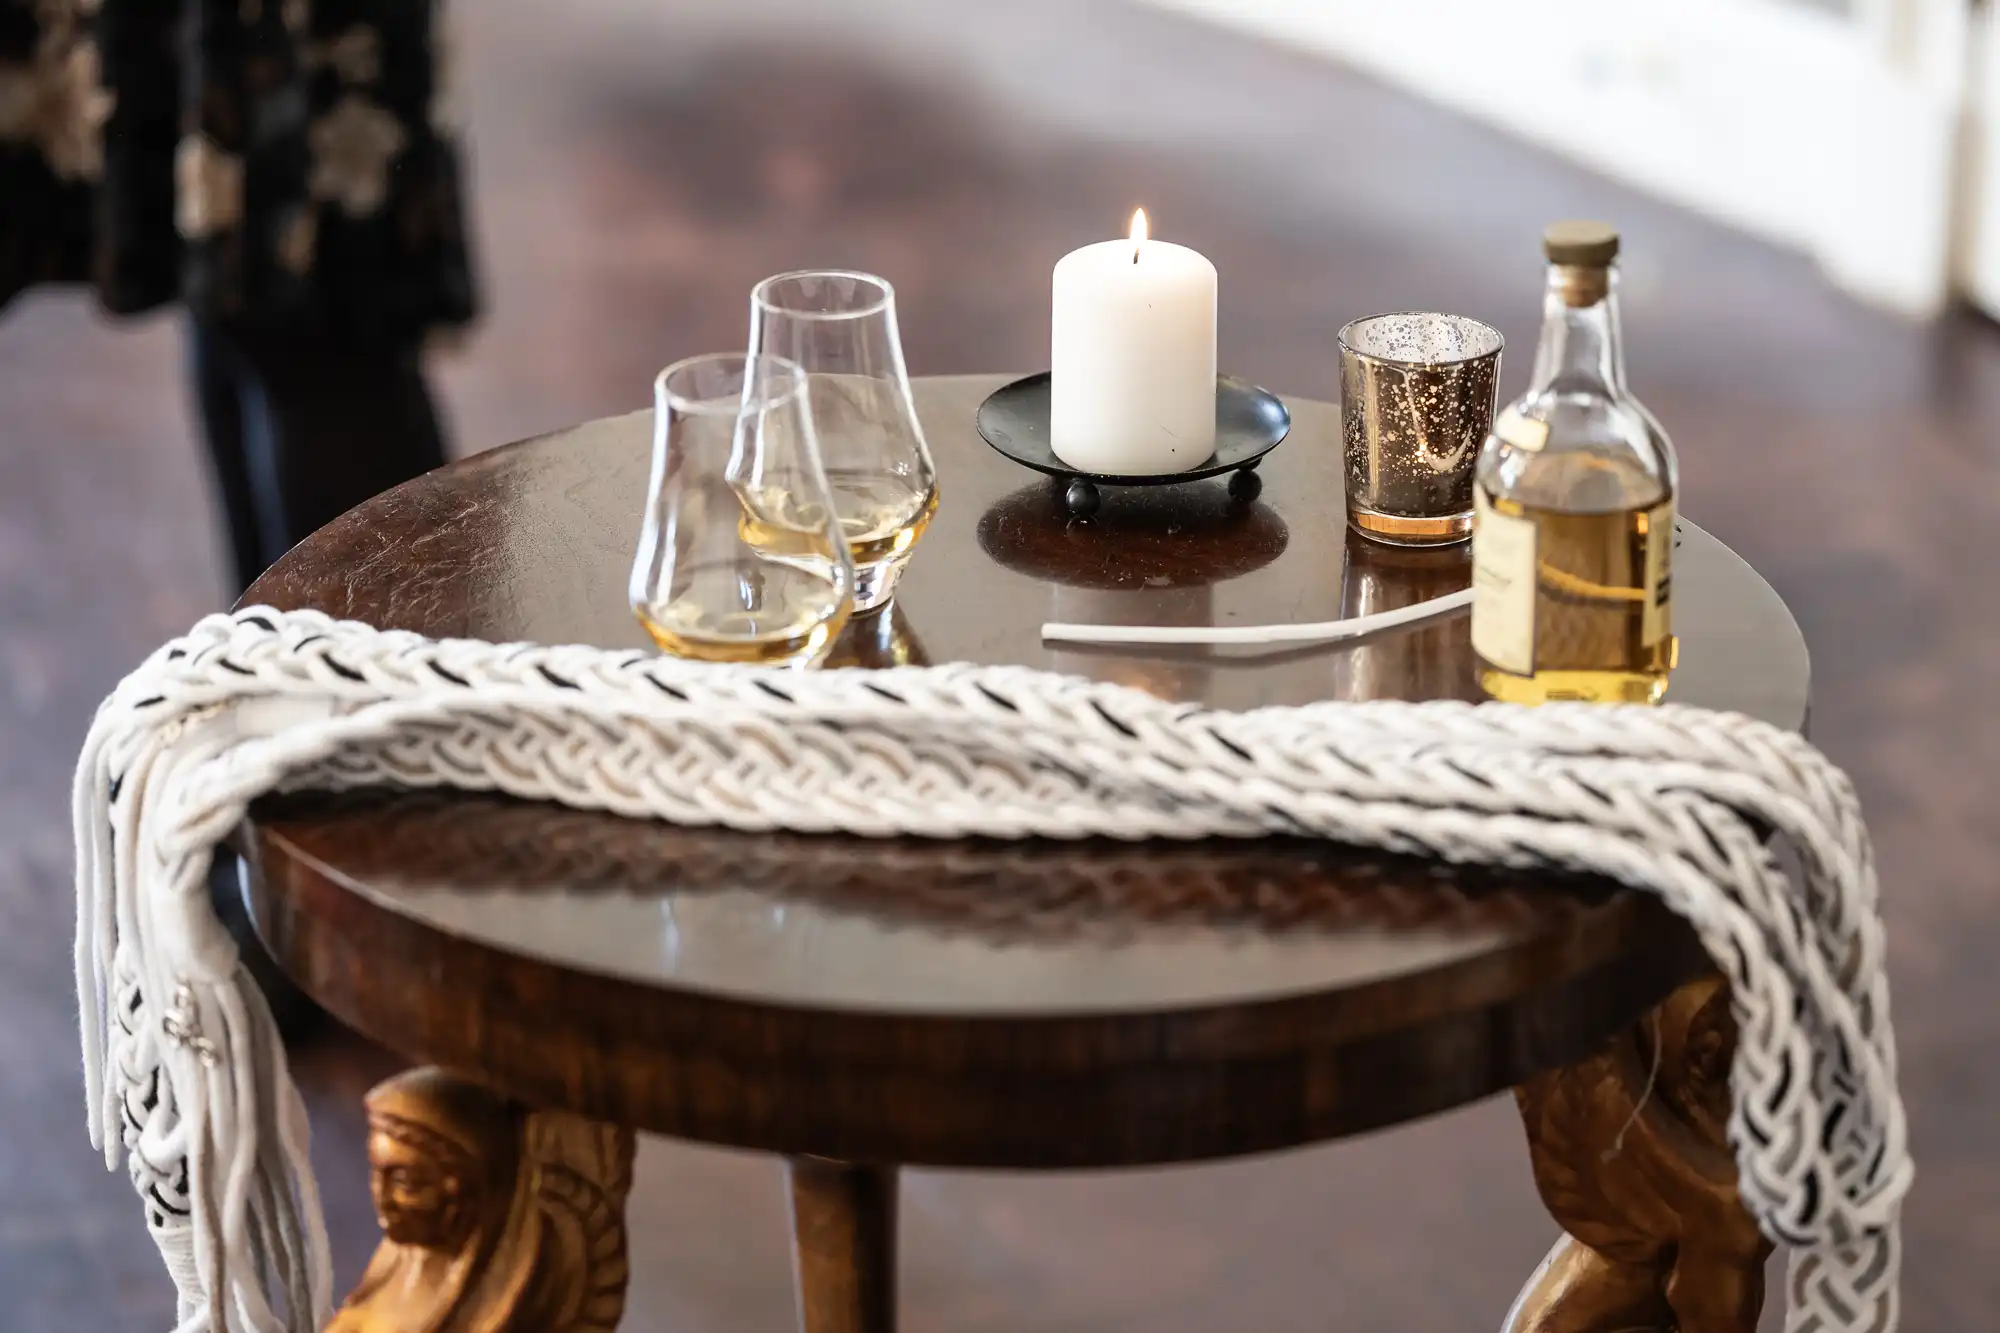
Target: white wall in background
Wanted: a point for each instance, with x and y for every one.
(1836, 133)
(1979, 251)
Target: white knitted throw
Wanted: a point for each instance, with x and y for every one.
(1741, 827)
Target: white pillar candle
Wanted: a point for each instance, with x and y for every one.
(1132, 356)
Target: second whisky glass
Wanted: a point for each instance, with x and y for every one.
(710, 582)
(841, 328)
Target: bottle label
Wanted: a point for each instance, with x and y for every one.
(1658, 620)
(1521, 431)
(1503, 586)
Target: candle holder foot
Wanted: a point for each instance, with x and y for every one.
(1249, 423)
(1081, 498)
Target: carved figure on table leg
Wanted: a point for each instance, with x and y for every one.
(1631, 1155)
(495, 1219)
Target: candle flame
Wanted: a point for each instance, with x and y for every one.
(1138, 233)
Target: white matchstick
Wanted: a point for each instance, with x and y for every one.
(1325, 631)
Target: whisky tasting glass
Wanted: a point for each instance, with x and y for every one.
(1416, 401)
(715, 579)
(841, 328)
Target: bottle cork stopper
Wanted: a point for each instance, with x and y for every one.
(1581, 244)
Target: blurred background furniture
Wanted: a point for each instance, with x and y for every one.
(861, 1005)
(1858, 131)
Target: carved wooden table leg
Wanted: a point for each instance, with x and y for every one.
(844, 1246)
(494, 1218)
(1631, 1156)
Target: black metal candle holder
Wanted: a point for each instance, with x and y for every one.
(1249, 423)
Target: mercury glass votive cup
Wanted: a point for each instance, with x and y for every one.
(1416, 401)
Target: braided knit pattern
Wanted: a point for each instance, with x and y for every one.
(1740, 827)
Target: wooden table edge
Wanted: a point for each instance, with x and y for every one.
(1049, 1090)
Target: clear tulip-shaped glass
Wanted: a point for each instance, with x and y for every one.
(841, 327)
(712, 580)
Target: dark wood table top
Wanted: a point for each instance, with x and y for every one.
(1030, 1004)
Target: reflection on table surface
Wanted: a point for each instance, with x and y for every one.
(971, 924)
(1426, 662)
(877, 639)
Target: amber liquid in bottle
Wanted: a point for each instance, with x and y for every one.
(1574, 508)
(1602, 624)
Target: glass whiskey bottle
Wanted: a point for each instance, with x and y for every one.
(1573, 501)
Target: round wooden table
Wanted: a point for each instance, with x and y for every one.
(861, 1004)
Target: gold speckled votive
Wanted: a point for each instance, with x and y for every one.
(1416, 400)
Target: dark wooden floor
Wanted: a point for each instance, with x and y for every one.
(637, 170)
